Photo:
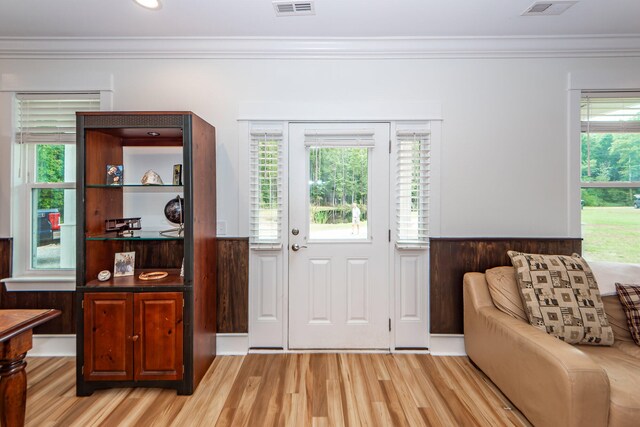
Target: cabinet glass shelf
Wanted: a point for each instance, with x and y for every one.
(141, 188)
(137, 236)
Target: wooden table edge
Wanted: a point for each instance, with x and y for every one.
(28, 324)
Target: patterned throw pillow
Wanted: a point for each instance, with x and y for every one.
(561, 297)
(630, 298)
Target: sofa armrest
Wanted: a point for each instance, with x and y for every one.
(551, 382)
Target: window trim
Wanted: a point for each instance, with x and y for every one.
(25, 278)
(576, 128)
(36, 81)
(612, 80)
(27, 180)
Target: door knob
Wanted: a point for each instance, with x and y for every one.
(296, 247)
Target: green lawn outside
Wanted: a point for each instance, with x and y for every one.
(611, 234)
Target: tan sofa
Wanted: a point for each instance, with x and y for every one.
(551, 382)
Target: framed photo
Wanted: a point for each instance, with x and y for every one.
(124, 264)
(177, 174)
(115, 174)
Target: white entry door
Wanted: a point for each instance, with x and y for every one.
(339, 236)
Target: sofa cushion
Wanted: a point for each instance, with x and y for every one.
(628, 347)
(503, 288)
(607, 274)
(630, 298)
(561, 297)
(617, 318)
(623, 371)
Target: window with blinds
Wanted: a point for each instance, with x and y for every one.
(412, 186)
(51, 118)
(266, 187)
(610, 125)
(45, 129)
(610, 175)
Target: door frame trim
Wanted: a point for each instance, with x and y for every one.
(284, 113)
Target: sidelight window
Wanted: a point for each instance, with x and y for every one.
(412, 186)
(266, 186)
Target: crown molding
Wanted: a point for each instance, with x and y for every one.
(320, 48)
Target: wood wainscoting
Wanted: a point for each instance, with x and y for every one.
(451, 258)
(63, 301)
(233, 285)
(232, 281)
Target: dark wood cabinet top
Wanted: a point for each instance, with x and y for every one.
(173, 279)
(133, 113)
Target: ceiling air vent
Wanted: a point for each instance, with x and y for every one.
(289, 8)
(544, 8)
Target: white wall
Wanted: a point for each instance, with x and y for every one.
(504, 135)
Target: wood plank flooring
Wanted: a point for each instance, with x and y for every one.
(284, 390)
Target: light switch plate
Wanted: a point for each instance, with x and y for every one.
(221, 228)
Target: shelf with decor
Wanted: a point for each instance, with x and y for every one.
(137, 236)
(158, 221)
(140, 188)
(173, 279)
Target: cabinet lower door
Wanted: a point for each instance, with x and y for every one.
(108, 330)
(158, 330)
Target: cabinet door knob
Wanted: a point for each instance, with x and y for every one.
(135, 337)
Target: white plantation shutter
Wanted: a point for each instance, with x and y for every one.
(603, 112)
(266, 187)
(412, 186)
(51, 118)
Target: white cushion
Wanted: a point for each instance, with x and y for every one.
(608, 273)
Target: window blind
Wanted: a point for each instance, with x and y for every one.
(602, 112)
(412, 186)
(266, 187)
(51, 118)
(612, 113)
(339, 138)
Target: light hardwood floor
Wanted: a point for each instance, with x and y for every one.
(284, 390)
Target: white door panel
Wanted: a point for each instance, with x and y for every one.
(411, 298)
(339, 274)
(265, 303)
(268, 271)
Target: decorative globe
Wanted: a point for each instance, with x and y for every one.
(174, 210)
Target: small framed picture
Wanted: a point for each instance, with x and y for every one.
(115, 174)
(177, 174)
(124, 264)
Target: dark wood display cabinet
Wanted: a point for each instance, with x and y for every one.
(133, 332)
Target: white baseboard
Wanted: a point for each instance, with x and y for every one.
(447, 345)
(65, 345)
(227, 345)
(232, 344)
(45, 345)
